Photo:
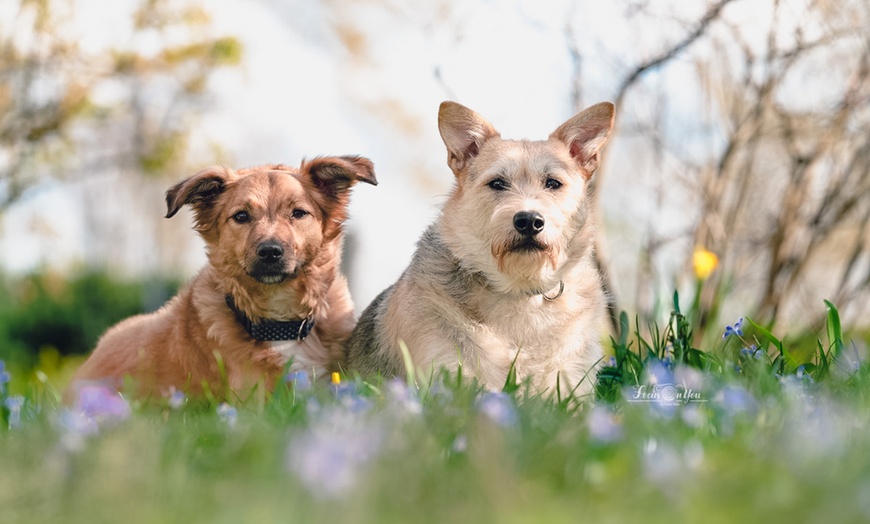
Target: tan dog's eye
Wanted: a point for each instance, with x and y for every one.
(552, 183)
(498, 184)
(299, 213)
(242, 217)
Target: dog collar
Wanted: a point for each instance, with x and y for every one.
(272, 330)
(558, 293)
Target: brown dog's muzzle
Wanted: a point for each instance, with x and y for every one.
(270, 266)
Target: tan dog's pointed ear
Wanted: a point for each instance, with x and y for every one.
(464, 133)
(334, 174)
(585, 134)
(198, 190)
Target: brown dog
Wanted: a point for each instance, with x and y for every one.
(272, 290)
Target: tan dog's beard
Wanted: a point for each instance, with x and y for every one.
(529, 265)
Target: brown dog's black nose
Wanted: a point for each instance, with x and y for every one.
(270, 252)
(529, 223)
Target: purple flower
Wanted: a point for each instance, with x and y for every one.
(735, 400)
(96, 405)
(603, 425)
(300, 380)
(329, 457)
(736, 329)
(402, 396)
(498, 407)
(102, 403)
(75, 426)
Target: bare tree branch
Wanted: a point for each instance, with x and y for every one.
(700, 29)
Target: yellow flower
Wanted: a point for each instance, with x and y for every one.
(336, 378)
(704, 262)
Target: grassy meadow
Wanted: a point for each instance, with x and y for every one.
(751, 427)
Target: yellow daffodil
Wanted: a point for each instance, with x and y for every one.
(704, 262)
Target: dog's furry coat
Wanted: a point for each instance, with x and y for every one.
(274, 236)
(506, 273)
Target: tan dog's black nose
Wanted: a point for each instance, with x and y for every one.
(270, 252)
(529, 223)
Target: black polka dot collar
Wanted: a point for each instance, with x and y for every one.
(272, 330)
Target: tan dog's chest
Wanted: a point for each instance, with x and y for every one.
(545, 341)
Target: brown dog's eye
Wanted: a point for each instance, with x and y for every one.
(552, 183)
(241, 217)
(299, 213)
(498, 184)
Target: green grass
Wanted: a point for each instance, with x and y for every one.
(770, 435)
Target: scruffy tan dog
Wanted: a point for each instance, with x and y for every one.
(506, 273)
(272, 289)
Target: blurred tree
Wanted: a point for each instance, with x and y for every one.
(75, 101)
(783, 194)
(788, 196)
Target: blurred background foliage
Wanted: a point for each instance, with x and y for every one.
(48, 319)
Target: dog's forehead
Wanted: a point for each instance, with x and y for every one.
(268, 184)
(512, 158)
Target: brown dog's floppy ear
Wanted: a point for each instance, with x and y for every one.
(585, 134)
(334, 174)
(464, 133)
(198, 190)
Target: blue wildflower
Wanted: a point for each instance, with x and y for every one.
(343, 389)
(659, 372)
(736, 329)
(300, 380)
(227, 414)
(14, 405)
(753, 351)
(346, 394)
(5, 377)
(801, 373)
(176, 398)
(399, 394)
(498, 407)
(735, 400)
